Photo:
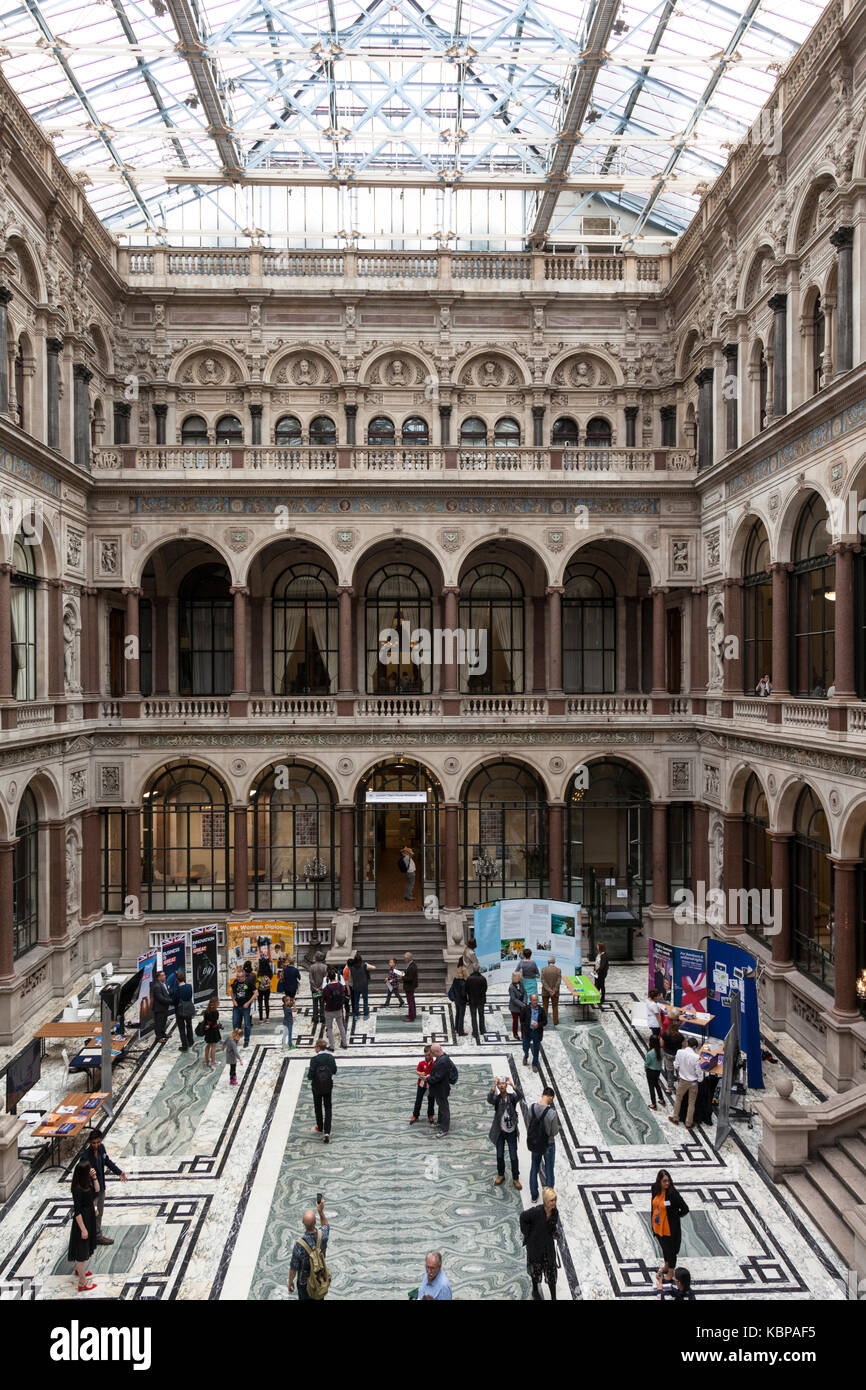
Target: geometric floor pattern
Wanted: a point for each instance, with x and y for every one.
(219, 1175)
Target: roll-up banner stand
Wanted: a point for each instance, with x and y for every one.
(204, 962)
(147, 963)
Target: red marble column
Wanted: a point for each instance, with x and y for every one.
(733, 664)
(347, 857)
(451, 618)
(554, 830)
(780, 877)
(698, 641)
(845, 942)
(132, 664)
(7, 865)
(452, 865)
(659, 676)
(733, 863)
(240, 685)
(554, 606)
(660, 853)
(5, 632)
(57, 879)
(844, 637)
(347, 643)
(241, 865)
(91, 868)
(781, 672)
(133, 856)
(56, 685)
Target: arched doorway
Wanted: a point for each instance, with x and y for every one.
(757, 610)
(399, 803)
(608, 836)
(757, 850)
(186, 841)
(504, 834)
(292, 825)
(812, 891)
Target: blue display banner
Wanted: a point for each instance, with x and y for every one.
(690, 980)
(726, 967)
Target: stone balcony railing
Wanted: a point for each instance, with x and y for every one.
(265, 269)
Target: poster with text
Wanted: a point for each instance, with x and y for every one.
(203, 946)
(173, 955)
(729, 966)
(147, 964)
(544, 926)
(661, 969)
(690, 979)
(246, 941)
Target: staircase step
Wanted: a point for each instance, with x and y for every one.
(821, 1212)
(855, 1148)
(844, 1169)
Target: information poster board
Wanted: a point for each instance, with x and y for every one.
(690, 979)
(173, 954)
(549, 928)
(147, 964)
(661, 969)
(728, 965)
(204, 958)
(249, 940)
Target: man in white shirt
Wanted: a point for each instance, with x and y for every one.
(688, 1070)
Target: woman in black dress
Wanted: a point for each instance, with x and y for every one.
(82, 1234)
(212, 1030)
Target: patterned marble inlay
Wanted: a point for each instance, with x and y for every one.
(174, 1114)
(620, 1110)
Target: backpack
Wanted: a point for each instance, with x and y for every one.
(402, 865)
(453, 1074)
(323, 1084)
(319, 1277)
(536, 1135)
(508, 1118)
(333, 996)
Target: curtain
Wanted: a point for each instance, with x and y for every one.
(504, 635)
(201, 636)
(291, 616)
(19, 641)
(318, 617)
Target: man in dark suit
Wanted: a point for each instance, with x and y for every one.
(162, 1003)
(96, 1156)
(410, 985)
(439, 1087)
(476, 993)
(533, 1021)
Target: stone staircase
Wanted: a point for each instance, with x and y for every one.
(378, 935)
(829, 1186)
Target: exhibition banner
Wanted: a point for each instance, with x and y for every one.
(203, 952)
(146, 963)
(248, 940)
(173, 956)
(727, 966)
(549, 928)
(661, 969)
(690, 979)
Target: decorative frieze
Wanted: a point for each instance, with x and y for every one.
(210, 504)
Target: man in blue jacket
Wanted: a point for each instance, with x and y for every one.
(99, 1161)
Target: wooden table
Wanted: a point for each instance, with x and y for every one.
(67, 1029)
(89, 1059)
(81, 1119)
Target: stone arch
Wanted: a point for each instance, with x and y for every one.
(651, 559)
(281, 556)
(806, 213)
(505, 370)
(233, 790)
(737, 544)
(477, 551)
(396, 367)
(656, 789)
(309, 764)
(322, 367)
(190, 367)
(789, 515)
(490, 759)
(47, 792)
(850, 832)
(754, 272)
(29, 277)
(102, 349)
(786, 801)
(736, 788)
(591, 367)
(230, 560)
(364, 562)
(687, 352)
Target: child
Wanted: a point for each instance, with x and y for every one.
(424, 1068)
(288, 1021)
(212, 1030)
(233, 1056)
(393, 982)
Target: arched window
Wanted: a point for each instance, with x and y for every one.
(25, 877)
(813, 601)
(288, 433)
(608, 840)
(565, 433)
(323, 431)
(473, 433)
(506, 433)
(293, 850)
(229, 431)
(205, 630)
(415, 431)
(812, 896)
(598, 433)
(588, 630)
(186, 842)
(398, 602)
(193, 432)
(23, 594)
(757, 610)
(818, 336)
(504, 839)
(305, 627)
(380, 431)
(491, 620)
(757, 854)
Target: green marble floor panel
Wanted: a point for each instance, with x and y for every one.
(699, 1236)
(622, 1114)
(175, 1113)
(394, 1191)
(118, 1258)
(395, 1027)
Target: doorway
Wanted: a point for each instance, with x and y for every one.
(384, 827)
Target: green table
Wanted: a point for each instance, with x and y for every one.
(583, 991)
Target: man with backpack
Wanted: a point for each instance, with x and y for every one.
(323, 1069)
(505, 1098)
(541, 1141)
(443, 1075)
(307, 1264)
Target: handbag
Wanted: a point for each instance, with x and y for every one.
(186, 1009)
(451, 994)
(199, 1031)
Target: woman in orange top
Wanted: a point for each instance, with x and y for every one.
(667, 1206)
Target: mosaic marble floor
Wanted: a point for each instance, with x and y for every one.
(219, 1175)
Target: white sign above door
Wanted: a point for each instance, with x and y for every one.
(395, 798)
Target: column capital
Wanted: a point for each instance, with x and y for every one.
(445, 412)
(842, 237)
(778, 837)
(160, 410)
(256, 410)
(732, 583)
(450, 589)
(345, 589)
(782, 567)
(6, 567)
(351, 410)
(704, 377)
(538, 412)
(242, 589)
(778, 303)
(54, 345)
(658, 589)
(54, 583)
(81, 372)
(122, 408)
(730, 351)
(844, 548)
(132, 592)
(667, 412)
(699, 590)
(5, 295)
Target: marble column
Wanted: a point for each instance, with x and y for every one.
(91, 868)
(846, 921)
(659, 664)
(843, 674)
(843, 240)
(89, 641)
(668, 416)
(160, 411)
(730, 395)
(56, 670)
(537, 426)
(779, 305)
(444, 426)
(132, 663)
(450, 596)
(345, 594)
(632, 642)
(452, 856)
(351, 420)
(54, 347)
(121, 422)
(5, 632)
(257, 647)
(81, 376)
(698, 640)
(631, 414)
(133, 856)
(240, 684)
(5, 297)
(554, 608)
(555, 811)
(7, 944)
(704, 382)
(701, 846)
(780, 875)
(256, 422)
(160, 644)
(57, 879)
(733, 860)
(660, 853)
(347, 857)
(733, 681)
(241, 860)
(781, 672)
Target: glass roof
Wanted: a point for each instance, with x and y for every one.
(395, 120)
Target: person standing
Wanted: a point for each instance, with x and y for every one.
(312, 1240)
(161, 1005)
(687, 1067)
(290, 978)
(423, 1071)
(527, 966)
(233, 1056)
(505, 1127)
(322, 1070)
(288, 1021)
(470, 959)
(96, 1157)
(541, 1141)
(476, 992)
(82, 1233)
(360, 973)
(666, 1210)
(333, 999)
(654, 1013)
(542, 1232)
(212, 1031)
(408, 861)
(443, 1074)
(410, 984)
(516, 1001)
(184, 1010)
(533, 1021)
(551, 979)
(460, 997)
(652, 1063)
(243, 992)
(318, 972)
(393, 983)
(672, 1041)
(263, 983)
(601, 967)
(434, 1286)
